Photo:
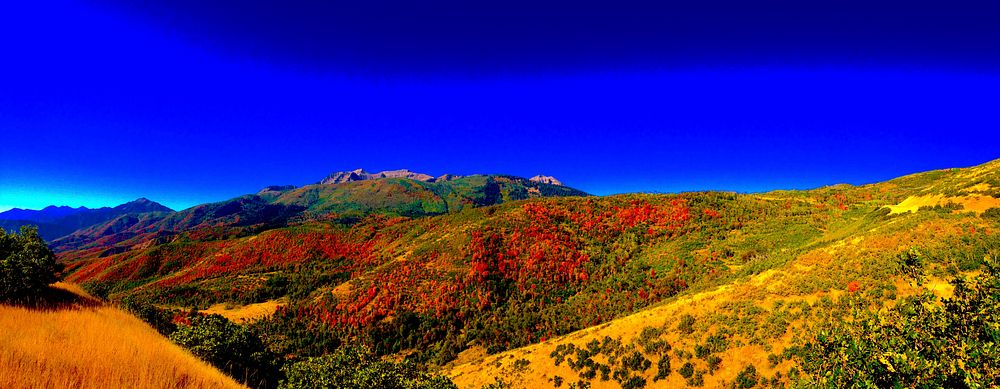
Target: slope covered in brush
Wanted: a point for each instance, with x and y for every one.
(444, 288)
(871, 297)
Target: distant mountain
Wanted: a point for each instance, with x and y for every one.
(361, 175)
(346, 197)
(140, 205)
(55, 222)
(44, 215)
(420, 196)
(546, 180)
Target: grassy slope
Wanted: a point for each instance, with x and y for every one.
(852, 248)
(86, 345)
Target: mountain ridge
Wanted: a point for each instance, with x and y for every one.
(74, 219)
(348, 201)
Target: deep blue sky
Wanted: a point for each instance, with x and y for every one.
(185, 102)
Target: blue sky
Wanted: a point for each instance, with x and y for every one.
(184, 103)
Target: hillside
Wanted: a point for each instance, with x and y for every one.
(704, 284)
(762, 317)
(76, 342)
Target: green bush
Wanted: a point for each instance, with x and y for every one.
(358, 367)
(634, 382)
(686, 325)
(160, 319)
(285, 333)
(636, 362)
(231, 347)
(922, 341)
(662, 368)
(747, 378)
(687, 370)
(701, 351)
(651, 343)
(698, 380)
(992, 213)
(713, 363)
(27, 265)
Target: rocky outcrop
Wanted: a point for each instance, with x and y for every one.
(276, 189)
(353, 175)
(545, 180)
(361, 175)
(447, 177)
(403, 173)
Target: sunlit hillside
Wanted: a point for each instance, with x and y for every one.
(788, 293)
(639, 290)
(79, 343)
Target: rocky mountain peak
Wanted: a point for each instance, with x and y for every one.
(361, 175)
(545, 180)
(276, 188)
(142, 205)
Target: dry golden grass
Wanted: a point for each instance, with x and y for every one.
(245, 313)
(476, 372)
(79, 343)
(973, 203)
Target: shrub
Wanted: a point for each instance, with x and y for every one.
(773, 359)
(922, 341)
(285, 333)
(579, 384)
(634, 382)
(716, 343)
(662, 368)
(687, 370)
(698, 379)
(686, 325)
(747, 378)
(701, 351)
(650, 341)
(358, 367)
(713, 363)
(27, 265)
(160, 319)
(230, 347)
(636, 362)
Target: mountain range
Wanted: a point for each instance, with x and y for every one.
(344, 196)
(54, 222)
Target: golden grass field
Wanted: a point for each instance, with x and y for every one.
(245, 313)
(79, 343)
